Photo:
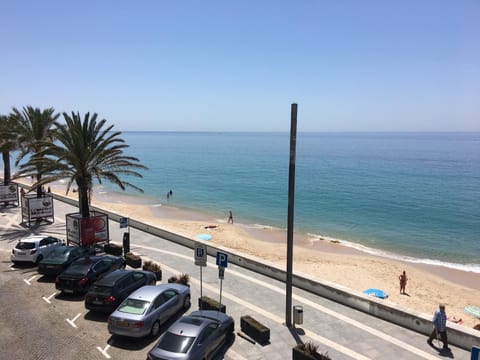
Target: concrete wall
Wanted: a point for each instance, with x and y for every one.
(458, 335)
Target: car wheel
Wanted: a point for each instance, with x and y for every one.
(186, 302)
(155, 329)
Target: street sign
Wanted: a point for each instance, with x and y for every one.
(123, 222)
(222, 259)
(221, 272)
(200, 255)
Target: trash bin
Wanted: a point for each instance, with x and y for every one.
(298, 314)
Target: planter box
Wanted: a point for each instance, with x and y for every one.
(257, 331)
(298, 354)
(207, 303)
(113, 249)
(158, 273)
(153, 267)
(133, 260)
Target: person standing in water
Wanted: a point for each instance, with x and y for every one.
(230, 217)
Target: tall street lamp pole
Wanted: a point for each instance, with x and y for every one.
(291, 198)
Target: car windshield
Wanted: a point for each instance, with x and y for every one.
(59, 253)
(24, 245)
(175, 343)
(79, 268)
(134, 306)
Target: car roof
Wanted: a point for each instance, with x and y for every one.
(34, 238)
(150, 292)
(111, 278)
(193, 324)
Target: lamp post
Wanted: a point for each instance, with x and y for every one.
(291, 198)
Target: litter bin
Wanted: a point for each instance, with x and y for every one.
(298, 314)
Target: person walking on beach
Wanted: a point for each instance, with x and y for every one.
(403, 282)
(439, 327)
(230, 217)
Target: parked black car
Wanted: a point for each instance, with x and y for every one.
(85, 271)
(59, 259)
(107, 293)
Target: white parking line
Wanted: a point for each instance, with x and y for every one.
(72, 322)
(335, 314)
(28, 281)
(104, 351)
(47, 299)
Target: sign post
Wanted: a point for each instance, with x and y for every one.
(222, 262)
(201, 260)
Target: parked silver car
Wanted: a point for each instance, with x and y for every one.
(197, 336)
(34, 248)
(144, 310)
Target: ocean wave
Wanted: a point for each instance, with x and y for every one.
(382, 253)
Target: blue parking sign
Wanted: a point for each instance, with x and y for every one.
(222, 259)
(123, 222)
(201, 255)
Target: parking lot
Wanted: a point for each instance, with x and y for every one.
(39, 323)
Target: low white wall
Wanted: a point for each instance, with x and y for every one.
(457, 335)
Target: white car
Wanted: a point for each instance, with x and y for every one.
(34, 248)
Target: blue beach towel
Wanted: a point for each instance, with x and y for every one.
(205, 237)
(376, 292)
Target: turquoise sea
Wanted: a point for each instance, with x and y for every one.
(414, 196)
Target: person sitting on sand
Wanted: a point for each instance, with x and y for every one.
(403, 282)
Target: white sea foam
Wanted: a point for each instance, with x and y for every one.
(463, 267)
(157, 205)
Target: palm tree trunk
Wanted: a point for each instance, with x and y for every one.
(6, 167)
(83, 204)
(39, 188)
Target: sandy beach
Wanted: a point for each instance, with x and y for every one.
(427, 285)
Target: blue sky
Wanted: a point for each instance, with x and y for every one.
(238, 65)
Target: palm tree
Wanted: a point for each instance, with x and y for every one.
(83, 151)
(7, 144)
(34, 130)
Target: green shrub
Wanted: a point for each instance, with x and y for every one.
(308, 350)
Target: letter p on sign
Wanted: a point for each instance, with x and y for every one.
(222, 259)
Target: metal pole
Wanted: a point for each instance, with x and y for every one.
(201, 286)
(291, 197)
(221, 282)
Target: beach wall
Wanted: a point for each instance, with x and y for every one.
(458, 335)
